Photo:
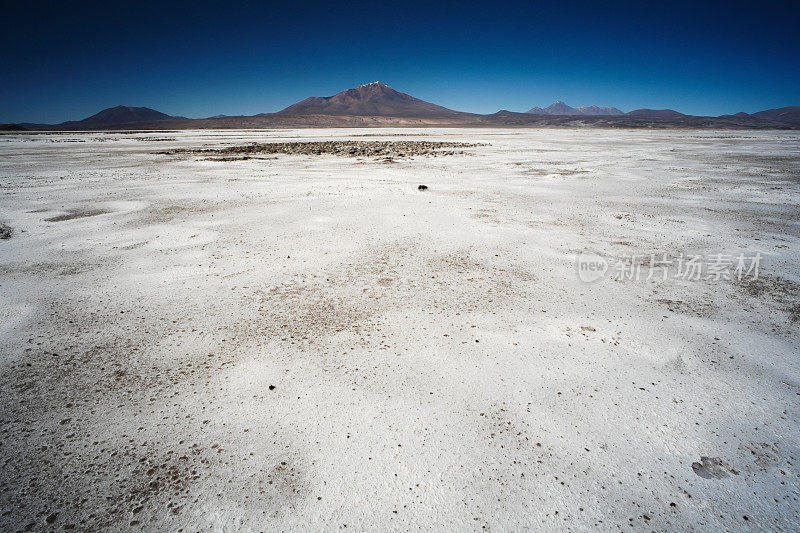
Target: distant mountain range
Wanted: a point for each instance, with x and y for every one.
(376, 104)
(560, 108)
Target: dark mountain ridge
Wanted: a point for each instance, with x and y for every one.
(655, 113)
(790, 115)
(126, 115)
(113, 117)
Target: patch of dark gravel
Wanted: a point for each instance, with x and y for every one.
(235, 158)
(341, 148)
(5, 231)
(72, 214)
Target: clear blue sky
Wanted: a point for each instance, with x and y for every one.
(68, 60)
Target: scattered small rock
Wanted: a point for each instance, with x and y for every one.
(423, 187)
(272, 387)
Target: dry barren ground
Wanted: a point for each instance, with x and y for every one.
(307, 341)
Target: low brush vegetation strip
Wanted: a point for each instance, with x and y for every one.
(346, 148)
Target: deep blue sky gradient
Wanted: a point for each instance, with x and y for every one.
(68, 60)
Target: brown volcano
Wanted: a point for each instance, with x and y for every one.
(373, 99)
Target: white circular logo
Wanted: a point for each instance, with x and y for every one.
(591, 267)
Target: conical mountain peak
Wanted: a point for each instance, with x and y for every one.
(371, 99)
